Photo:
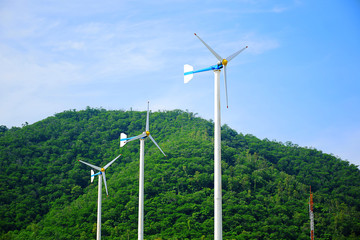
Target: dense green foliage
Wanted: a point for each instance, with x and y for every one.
(46, 193)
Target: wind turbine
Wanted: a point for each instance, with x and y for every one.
(100, 173)
(142, 137)
(188, 75)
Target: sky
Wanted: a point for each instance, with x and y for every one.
(297, 81)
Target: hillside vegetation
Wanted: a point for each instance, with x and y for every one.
(46, 193)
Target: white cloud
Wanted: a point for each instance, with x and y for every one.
(70, 45)
(53, 62)
(278, 9)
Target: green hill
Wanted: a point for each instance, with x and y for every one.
(47, 194)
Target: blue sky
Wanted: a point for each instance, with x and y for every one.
(298, 81)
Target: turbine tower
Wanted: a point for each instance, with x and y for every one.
(188, 75)
(142, 137)
(100, 173)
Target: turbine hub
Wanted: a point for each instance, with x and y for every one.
(224, 62)
(147, 133)
(103, 169)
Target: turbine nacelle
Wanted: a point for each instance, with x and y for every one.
(124, 139)
(101, 171)
(222, 63)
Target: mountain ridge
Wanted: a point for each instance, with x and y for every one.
(46, 193)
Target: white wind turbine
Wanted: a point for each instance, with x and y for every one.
(100, 173)
(188, 75)
(142, 137)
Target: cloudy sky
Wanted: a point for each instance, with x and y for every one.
(298, 81)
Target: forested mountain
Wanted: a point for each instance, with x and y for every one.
(46, 193)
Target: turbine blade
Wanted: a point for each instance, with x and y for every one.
(152, 139)
(93, 166)
(104, 178)
(147, 119)
(229, 58)
(211, 50)
(226, 94)
(107, 165)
